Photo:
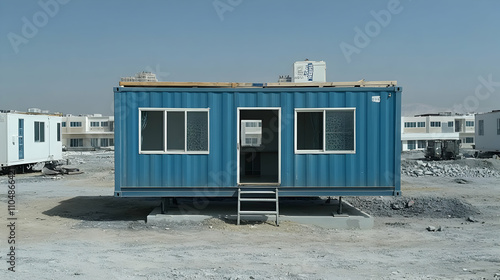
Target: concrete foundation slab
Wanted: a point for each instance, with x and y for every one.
(315, 211)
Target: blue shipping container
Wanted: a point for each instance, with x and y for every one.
(208, 141)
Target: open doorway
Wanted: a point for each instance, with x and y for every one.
(259, 138)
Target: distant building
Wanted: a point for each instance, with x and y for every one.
(309, 71)
(285, 79)
(87, 132)
(141, 77)
(488, 131)
(417, 130)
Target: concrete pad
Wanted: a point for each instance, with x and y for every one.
(313, 211)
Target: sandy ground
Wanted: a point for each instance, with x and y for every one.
(72, 228)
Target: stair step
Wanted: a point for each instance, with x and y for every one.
(259, 199)
(257, 192)
(258, 212)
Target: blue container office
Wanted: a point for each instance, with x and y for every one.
(202, 140)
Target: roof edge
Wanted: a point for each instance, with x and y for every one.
(361, 83)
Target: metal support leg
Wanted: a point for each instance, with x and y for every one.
(239, 206)
(339, 211)
(164, 205)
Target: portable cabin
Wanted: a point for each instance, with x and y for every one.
(488, 132)
(177, 139)
(29, 138)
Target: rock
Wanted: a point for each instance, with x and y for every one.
(429, 173)
(431, 228)
(471, 219)
(419, 162)
(395, 206)
(410, 203)
(439, 228)
(497, 275)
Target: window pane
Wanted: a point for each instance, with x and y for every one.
(309, 130)
(339, 130)
(197, 131)
(175, 131)
(152, 131)
(42, 131)
(37, 132)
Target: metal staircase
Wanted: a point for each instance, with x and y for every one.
(258, 195)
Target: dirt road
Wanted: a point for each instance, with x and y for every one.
(72, 228)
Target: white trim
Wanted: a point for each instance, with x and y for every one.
(177, 152)
(323, 110)
(238, 147)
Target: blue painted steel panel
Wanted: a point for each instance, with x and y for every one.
(373, 170)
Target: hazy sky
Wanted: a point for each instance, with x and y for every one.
(67, 56)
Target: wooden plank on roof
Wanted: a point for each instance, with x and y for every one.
(361, 83)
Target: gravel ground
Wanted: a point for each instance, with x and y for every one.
(71, 227)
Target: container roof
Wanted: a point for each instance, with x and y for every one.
(361, 83)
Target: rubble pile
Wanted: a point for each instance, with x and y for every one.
(417, 168)
(428, 206)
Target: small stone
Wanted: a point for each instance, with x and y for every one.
(439, 228)
(395, 206)
(471, 219)
(410, 203)
(497, 275)
(431, 228)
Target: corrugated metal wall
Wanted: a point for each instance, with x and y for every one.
(375, 163)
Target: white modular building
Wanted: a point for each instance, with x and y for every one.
(418, 130)
(29, 138)
(488, 131)
(309, 71)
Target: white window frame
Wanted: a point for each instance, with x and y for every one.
(323, 110)
(435, 124)
(165, 151)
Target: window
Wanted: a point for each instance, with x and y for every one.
(104, 124)
(176, 131)
(411, 144)
(435, 124)
(481, 127)
(104, 142)
(410, 124)
(498, 126)
(450, 124)
(76, 142)
(421, 124)
(325, 130)
(469, 140)
(94, 142)
(39, 131)
(94, 124)
(59, 132)
(75, 124)
(469, 123)
(111, 142)
(421, 144)
(63, 124)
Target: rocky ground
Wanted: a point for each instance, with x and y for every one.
(444, 226)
